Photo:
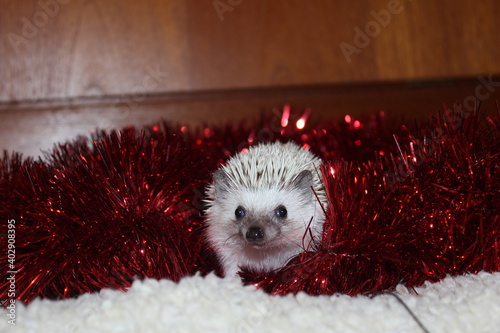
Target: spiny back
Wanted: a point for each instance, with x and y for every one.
(273, 165)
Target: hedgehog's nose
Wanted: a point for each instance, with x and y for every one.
(254, 234)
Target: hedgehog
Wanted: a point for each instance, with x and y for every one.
(265, 206)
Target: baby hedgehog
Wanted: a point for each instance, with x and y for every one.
(262, 210)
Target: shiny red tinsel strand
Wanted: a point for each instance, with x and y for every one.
(404, 206)
(88, 218)
(429, 211)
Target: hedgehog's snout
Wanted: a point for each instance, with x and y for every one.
(260, 234)
(254, 234)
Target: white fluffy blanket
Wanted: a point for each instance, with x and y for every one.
(457, 304)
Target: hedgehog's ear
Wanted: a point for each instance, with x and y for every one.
(304, 181)
(221, 183)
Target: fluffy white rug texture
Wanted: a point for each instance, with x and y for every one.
(469, 303)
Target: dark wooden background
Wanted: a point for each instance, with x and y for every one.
(70, 66)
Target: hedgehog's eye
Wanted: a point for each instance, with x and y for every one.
(281, 211)
(239, 212)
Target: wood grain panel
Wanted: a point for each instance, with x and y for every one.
(81, 48)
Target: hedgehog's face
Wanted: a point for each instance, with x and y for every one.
(269, 217)
(260, 225)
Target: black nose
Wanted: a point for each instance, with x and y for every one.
(254, 234)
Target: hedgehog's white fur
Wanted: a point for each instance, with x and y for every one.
(261, 179)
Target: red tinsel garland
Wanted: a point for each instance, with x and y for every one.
(404, 206)
(429, 209)
(89, 218)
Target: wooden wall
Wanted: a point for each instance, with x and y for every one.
(69, 66)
